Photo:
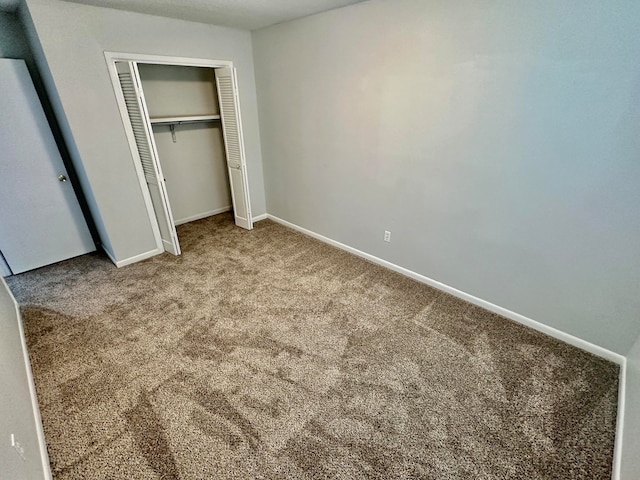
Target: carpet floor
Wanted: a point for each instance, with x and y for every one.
(266, 354)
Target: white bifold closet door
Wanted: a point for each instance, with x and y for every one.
(40, 218)
(234, 145)
(146, 147)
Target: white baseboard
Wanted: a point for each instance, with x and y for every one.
(617, 447)
(258, 218)
(134, 259)
(199, 216)
(516, 317)
(166, 246)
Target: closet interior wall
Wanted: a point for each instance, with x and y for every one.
(194, 165)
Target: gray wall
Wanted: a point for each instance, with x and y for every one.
(195, 170)
(172, 91)
(73, 39)
(498, 141)
(194, 166)
(16, 408)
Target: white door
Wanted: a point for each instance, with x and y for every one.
(40, 219)
(141, 128)
(234, 145)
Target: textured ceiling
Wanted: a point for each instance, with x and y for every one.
(244, 14)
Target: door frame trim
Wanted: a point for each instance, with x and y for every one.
(111, 58)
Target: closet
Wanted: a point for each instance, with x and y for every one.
(183, 123)
(185, 119)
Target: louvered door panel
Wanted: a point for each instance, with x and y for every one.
(234, 147)
(147, 153)
(137, 124)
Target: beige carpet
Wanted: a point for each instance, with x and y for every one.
(269, 355)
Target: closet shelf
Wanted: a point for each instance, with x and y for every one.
(181, 120)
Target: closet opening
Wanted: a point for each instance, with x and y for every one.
(182, 119)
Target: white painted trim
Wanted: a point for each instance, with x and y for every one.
(137, 163)
(165, 60)
(516, 317)
(168, 246)
(617, 447)
(199, 216)
(172, 245)
(44, 455)
(135, 258)
(264, 216)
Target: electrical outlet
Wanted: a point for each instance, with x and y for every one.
(387, 236)
(18, 448)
